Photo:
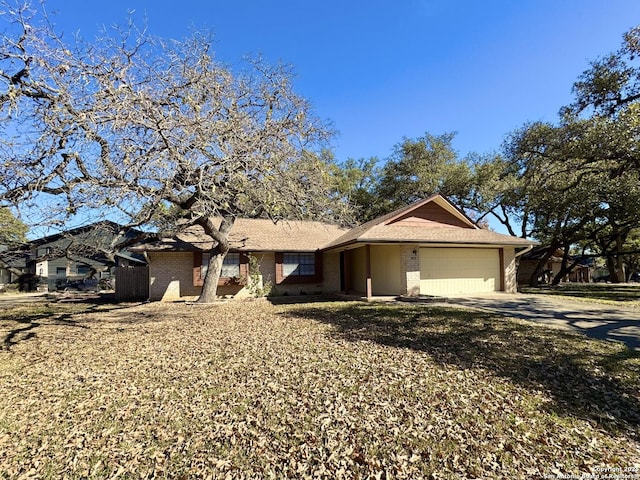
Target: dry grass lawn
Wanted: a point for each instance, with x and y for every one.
(623, 295)
(319, 390)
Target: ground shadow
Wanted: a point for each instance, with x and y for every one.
(596, 321)
(29, 321)
(536, 358)
(622, 293)
(24, 320)
(302, 299)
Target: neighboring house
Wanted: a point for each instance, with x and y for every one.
(14, 262)
(582, 272)
(427, 248)
(74, 255)
(530, 260)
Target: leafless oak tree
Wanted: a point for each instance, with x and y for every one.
(150, 128)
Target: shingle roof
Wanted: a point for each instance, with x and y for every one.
(255, 235)
(384, 229)
(400, 233)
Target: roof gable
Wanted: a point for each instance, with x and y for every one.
(432, 220)
(434, 213)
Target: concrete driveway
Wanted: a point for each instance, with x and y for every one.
(597, 320)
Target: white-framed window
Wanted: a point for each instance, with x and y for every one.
(298, 264)
(230, 265)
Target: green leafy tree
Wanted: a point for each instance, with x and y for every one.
(421, 167)
(632, 252)
(12, 233)
(12, 230)
(607, 99)
(555, 198)
(611, 83)
(575, 183)
(495, 186)
(355, 184)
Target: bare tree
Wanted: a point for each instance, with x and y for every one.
(146, 128)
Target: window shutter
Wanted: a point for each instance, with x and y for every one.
(244, 267)
(197, 269)
(279, 260)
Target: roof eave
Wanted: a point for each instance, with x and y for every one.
(373, 240)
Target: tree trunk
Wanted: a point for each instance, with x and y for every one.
(209, 292)
(534, 279)
(622, 274)
(611, 267)
(11, 269)
(565, 267)
(220, 248)
(616, 265)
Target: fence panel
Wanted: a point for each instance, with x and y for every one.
(132, 283)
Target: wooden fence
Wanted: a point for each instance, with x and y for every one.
(132, 283)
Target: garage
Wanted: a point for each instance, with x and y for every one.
(450, 271)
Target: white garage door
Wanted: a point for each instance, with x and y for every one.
(447, 271)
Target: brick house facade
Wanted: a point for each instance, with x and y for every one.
(428, 248)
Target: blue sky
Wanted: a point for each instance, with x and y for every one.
(384, 70)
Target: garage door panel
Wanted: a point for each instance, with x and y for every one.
(445, 271)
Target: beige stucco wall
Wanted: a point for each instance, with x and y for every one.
(357, 268)
(331, 272)
(385, 270)
(509, 262)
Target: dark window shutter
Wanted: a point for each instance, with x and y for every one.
(197, 269)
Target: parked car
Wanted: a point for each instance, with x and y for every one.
(82, 285)
(634, 277)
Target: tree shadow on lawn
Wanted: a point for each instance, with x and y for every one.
(585, 378)
(623, 293)
(23, 321)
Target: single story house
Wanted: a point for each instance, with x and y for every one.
(582, 272)
(427, 248)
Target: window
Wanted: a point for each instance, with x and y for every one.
(298, 264)
(293, 268)
(83, 269)
(61, 271)
(230, 265)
